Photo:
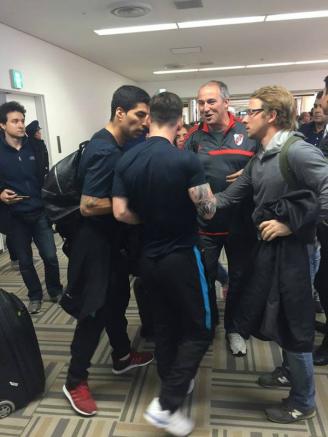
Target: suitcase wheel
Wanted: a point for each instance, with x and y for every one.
(6, 408)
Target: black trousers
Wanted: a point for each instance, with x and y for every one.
(110, 317)
(321, 279)
(238, 249)
(182, 319)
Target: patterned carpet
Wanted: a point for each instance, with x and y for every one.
(226, 402)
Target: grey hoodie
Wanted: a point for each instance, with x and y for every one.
(263, 177)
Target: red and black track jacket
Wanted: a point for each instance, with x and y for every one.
(220, 160)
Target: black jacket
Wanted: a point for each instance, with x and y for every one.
(42, 159)
(277, 299)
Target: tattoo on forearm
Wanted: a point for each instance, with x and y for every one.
(204, 200)
(89, 202)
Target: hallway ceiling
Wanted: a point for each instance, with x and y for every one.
(70, 24)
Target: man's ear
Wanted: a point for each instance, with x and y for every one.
(120, 113)
(272, 116)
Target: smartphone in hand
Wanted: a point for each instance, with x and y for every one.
(22, 197)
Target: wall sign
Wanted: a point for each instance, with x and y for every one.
(16, 79)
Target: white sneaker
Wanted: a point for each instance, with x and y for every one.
(237, 344)
(175, 423)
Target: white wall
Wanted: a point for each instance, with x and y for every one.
(293, 80)
(77, 92)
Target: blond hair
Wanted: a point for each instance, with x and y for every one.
(279, 99)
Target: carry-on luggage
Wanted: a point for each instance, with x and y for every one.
(21, 368)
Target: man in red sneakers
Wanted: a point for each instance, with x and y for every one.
(98, 279)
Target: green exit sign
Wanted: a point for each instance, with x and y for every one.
(16, 78)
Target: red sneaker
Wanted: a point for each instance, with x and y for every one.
(81, 399)
(136, 359)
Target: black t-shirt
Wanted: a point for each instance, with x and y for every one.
(155, 177)
(96, 172)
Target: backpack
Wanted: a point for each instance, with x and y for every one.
(285, 169)
(61, 191)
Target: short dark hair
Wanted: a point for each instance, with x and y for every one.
(128, 97)
(326, 82)
(165, 108)
(12, 106)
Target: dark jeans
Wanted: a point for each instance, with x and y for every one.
(21, 235)
(222, 275)
(182, 319)
(238, 249)
(321, 279)
(110, 317)
(11, 250)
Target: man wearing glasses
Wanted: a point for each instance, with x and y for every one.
(271, 120)
(224, 149)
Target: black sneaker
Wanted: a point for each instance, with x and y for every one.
(278, 378)
(56, 299)
(320, 355)
(286, 414)
(317, 303)
(136, 359)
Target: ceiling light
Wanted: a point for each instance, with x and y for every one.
(235, 67)
(277, 64)
(220, 22)
(136, 29)
(189, 70)
(240, 67)
(319, 61)
(297, 16)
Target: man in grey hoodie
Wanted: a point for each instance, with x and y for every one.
(270, 119)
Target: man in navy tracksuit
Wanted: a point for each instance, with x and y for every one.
(165, 188)
(224, 149)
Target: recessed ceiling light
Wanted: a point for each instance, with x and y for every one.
(209, 23)
(297, 16)
(235, 67)
(277, 64)
(136, 29)
(319, 61)
(220, 22)
(188, 70)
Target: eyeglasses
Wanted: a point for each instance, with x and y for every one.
(251, 112)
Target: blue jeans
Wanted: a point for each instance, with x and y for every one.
(301, 375)
(21, 233)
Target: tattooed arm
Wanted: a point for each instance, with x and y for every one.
(122, 213)
(90, 206)
(204, 200)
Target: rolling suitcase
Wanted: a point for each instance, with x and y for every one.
(21, 369)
